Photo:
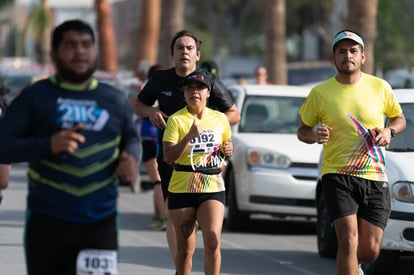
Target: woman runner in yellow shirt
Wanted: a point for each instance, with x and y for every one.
(196, 141)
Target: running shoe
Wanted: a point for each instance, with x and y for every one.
(157, 224)
(360, 271)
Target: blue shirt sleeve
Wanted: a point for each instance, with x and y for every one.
(15, 143)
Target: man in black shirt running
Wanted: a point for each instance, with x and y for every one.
(166, 87)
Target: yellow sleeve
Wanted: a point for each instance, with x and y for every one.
(171, 132)
(227, 129)
(392, 107)
(309, 111)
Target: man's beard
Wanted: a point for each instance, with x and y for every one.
(346, 71)
(71, 75)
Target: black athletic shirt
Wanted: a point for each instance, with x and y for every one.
(167, 87)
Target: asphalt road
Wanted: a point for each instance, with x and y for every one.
(268, 247)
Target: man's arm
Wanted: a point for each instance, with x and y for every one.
(127, 167)
(4, 175)
(141, 109)
(233, 115)
(397, 123)
(15, 145)
(223, 101)
(157, 117)
(306, 134)
(383, 135)
(144, 101)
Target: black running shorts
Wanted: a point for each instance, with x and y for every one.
(52, 245)
(149, 150)
(184, 200)
(165, 171)
(346, 195)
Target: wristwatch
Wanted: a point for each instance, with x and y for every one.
(392, 132)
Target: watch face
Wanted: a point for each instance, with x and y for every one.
(392, 132)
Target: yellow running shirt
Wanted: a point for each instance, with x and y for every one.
(202, 151)
(350, 110)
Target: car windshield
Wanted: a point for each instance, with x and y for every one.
(270, 114)
(300, 76)
(404, 141)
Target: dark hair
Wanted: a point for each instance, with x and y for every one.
(70, 25)
(185, 33)
(210, 66)
(154, 68)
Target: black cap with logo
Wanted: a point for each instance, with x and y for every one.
(200, 76)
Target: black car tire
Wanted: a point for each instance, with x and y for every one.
(236, 219)
(326, 236)
(385, 264)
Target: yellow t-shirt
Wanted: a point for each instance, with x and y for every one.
(351, 110)
(202, 151)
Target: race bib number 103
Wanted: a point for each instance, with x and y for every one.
(97, 262)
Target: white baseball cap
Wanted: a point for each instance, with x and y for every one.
(347, 35)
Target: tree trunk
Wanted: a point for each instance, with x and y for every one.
(106, 37)
(148, 32)
(362, 18)
(275, 54)
(173, 22)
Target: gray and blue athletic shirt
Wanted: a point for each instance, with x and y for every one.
(83, 186)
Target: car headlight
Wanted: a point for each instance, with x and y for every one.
(403, 191)
(267, 158)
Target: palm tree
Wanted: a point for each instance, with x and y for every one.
(108, 60)
(148, 32)
(40, 23)
(362, 18)
(173, 21)
(275, 28)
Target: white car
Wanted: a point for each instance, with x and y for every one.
(399, 233)
(271, 171)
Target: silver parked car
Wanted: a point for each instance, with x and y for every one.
(271, 171)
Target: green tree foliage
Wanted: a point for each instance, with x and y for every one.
(393, 46)
(303, 14)
(236, 27)
(395, 40)
(5, 4)
(233, 27)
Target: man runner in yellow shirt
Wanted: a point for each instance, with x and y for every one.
(349, 111)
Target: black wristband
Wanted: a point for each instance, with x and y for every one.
(392, 132)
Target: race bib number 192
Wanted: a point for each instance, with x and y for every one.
(96, 262)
